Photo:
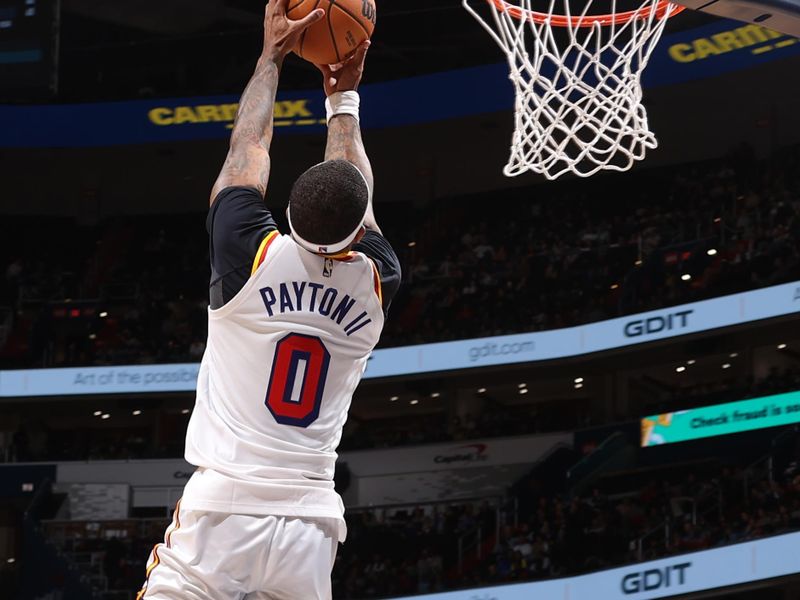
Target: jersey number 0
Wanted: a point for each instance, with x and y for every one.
(297, 381)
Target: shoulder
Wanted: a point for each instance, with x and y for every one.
(238, 208)
(238, 220)
(239, 225)
(237, 191)
(385, 264)
(378, 248)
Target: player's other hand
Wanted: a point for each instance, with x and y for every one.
(346, 75)
(281, 33)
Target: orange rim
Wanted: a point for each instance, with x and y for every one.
(661, 8)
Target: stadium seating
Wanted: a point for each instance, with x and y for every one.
(656, 239)
(534, 533)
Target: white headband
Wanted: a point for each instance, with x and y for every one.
(328, 248)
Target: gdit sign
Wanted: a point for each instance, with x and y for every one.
(723, 567)
(657, 324)
(655, 579)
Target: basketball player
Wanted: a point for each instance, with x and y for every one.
(292, 322)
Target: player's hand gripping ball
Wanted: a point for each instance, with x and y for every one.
(334, 38)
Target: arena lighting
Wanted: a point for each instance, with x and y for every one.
(579, 380)
(614, 286)
(733, 355)
(185, 411)
(103, 315)
(97, 413)
(781, 346)
(686, 277)
(414, 401)
(92, 336)
(105, 416)
(578, 386)
(522, 385)
(435, 395)
(726, 365)
(394, 398)
(412, 244)
(691, 361)
(638, 263)
(711, 251)
(523, 390)
(11, 561)
(481, 390)
(137, 412)
(680, 369)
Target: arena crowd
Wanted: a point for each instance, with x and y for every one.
(128, 291)
(530, 535)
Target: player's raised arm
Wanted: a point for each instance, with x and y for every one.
(344, 132)
(247, 163)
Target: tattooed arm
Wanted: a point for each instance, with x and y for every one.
(344, 142)
(344, 132)
(247, 163)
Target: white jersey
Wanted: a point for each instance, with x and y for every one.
(283, 359)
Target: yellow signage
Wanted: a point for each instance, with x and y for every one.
(753, 37)
(287, 112)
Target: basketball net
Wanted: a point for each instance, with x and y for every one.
(578, 93)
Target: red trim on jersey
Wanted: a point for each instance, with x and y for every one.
(262, 249)
(176, 521)
(377, 276)
(150, 568)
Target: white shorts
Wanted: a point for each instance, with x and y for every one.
(221, 556)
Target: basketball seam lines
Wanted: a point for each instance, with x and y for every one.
(302, 41)
(293, 6)
(352, 16)
(303, 35)
(331, 4)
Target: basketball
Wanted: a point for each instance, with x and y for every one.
(331, 40)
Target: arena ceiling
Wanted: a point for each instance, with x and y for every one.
(693, 121)
(181, 47)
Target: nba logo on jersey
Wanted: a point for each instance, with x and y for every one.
(327, 269)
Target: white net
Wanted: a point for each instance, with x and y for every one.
(577, 83)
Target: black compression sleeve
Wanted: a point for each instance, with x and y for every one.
(238, 221)
(378, 248)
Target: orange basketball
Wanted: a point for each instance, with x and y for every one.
(346, 24)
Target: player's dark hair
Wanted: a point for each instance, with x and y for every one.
(328, 201)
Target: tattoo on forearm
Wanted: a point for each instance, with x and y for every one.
(254, 118)
(343, 137)
(344, 143)
(252, 130)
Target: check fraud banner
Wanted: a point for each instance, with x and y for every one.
(725, 311)
(721, 419)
